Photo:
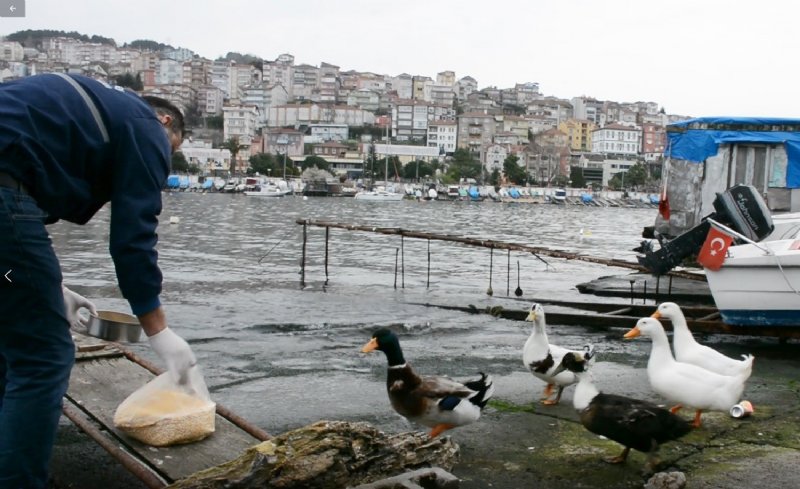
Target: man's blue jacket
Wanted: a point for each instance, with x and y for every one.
(74, 161)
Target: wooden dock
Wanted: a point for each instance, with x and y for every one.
(103, 376)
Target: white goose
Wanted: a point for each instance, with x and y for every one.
(688, 350)
(543, 358)
(685, 383)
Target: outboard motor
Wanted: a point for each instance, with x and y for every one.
(741, 208)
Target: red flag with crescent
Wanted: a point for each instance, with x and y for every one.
(713, 252)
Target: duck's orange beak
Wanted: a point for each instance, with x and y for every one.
(370, 346)
(656, 315)
(632, 333)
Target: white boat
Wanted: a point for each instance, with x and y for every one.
(759, 284)
(559, 195)
(268, 190)
(378, 194)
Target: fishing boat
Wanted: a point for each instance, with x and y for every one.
(559, 196)
(758, 284)
(268, 189)
(380, 194)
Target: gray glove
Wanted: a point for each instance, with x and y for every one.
(175, 352)
(73, 303)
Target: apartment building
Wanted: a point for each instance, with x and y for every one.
(443, 135)
(617, 139)
(579, 133)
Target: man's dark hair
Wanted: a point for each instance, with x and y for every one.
(165, 107)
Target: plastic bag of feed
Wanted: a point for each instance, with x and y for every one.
(163, 413)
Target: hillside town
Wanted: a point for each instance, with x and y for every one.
(244, 110)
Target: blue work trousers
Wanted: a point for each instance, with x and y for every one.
(36, 348)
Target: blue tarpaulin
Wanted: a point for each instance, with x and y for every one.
(698, 139)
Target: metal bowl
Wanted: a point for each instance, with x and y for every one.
(115, 326)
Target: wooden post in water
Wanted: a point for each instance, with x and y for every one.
(508, 275)
(402, 262)
(429, 265)
(396, 252)
(327, 237)
(489, 291)
(303, 260)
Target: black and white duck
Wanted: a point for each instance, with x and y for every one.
(630, 422)
(437, 402)
(542, 357)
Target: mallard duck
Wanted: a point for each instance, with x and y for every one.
(630, 422)
(688, 350)
(542, 358)
(437, 402)
(685, 383)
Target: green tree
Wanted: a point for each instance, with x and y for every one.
(215, 122)
(316, 161)
(416, 170)
(263, 164)
(130, 81)
(576, 175)
(494, 178)
(232, 145)
(179, 163)
(513, 171)
(464, 165)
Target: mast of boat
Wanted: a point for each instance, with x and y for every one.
(386, 160)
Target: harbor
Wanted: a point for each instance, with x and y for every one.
(282, 355)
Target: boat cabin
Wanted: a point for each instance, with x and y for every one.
(708, 155)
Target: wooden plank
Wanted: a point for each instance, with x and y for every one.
(99, 386)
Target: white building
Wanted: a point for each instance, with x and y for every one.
(240, 122)
(495, 155)
(364, 98)
(210, 100)
(208, 159)
(11, 51)
(617, 139)
(169, 71)
(305, 114)
(443, 135)
(321, 133)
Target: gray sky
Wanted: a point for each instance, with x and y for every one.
(693, 57)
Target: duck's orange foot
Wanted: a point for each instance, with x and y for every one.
(674, 409)
(549, 402)
(439, 429)
(697, 421)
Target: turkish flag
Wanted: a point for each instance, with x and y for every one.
(712, 254)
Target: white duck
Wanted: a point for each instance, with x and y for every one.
(688, 350)
(685, 383)
(543, 358)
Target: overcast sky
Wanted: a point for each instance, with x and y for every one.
(692, 57)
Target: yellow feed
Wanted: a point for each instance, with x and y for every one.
(166, 417)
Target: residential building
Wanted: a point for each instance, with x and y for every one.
(179, 94)
(169, 72)
(329, 149)
(410, 118)
(241, 122)
(305, 79)
(579, 133)
(197, 72)
(465, 86)
(281, 141)
(263, 97)
(365, 99)
(403, 85)
(526, 92)
(178, 54)
(443, 135)
(210, 100)
(327, 132)
(654, 140)
(327, 91)
(421, 88)
(587, 108)
(305, 114)
(495, 156)
(11, 51)
(211, 161)
(616, 139)
(443, 95)
(538, 123)
(476, 131)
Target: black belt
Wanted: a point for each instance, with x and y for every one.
(8, 181)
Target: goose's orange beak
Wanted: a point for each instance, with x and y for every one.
(370, 346)
(656, 315)
(632, 333)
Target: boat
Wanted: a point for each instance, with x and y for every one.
(379, 194)
(559, 196)
(758, 284)
(269, 189)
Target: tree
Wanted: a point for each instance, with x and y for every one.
(464, 166)
(494, 178)
(179, 163)
(316, 161)
(264, 164)
(232, 145)
(130, 81)
(576, 175)
(513, 171)
(417, 169)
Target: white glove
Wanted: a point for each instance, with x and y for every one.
(175, 352)
(73, 303)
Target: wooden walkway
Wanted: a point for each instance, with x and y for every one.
(103, 376)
